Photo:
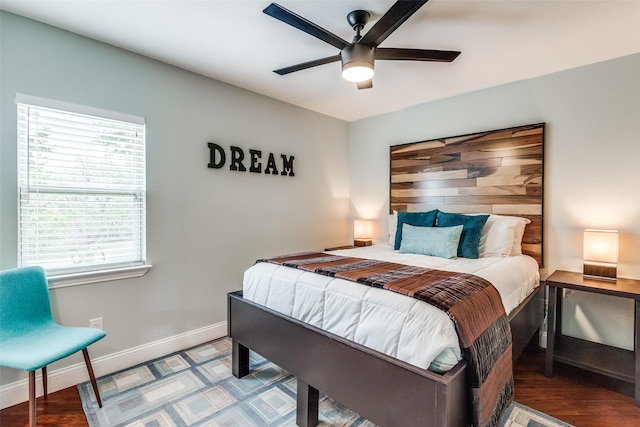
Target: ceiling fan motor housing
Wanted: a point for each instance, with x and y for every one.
(358, 58)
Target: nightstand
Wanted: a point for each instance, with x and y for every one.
(603, 359)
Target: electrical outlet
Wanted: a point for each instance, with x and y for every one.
(96, 323)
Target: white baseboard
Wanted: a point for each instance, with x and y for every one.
(17, 392)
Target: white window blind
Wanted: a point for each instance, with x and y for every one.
(81, 190)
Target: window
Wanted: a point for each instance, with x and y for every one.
(81, 178)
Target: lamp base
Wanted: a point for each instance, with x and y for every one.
(362, 242)
(604, 272)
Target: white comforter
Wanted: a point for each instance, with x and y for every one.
(394, 324)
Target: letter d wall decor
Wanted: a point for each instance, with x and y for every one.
(237, 161)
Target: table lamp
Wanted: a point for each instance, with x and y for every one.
(600, 254)
(362, 232)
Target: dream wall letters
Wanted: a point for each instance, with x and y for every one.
(238, 160)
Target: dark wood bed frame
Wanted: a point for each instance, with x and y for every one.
(493, 172)
(385, 390)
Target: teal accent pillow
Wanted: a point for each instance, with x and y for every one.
(419, 219)
(435, 241)
(471, 231)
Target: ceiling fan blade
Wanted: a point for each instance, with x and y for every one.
(308, 64)
(395, 16)
(416, 54)
(302, 24)
(367, 84)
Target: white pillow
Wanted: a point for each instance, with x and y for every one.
(393, 224)
(517, 236)
(502, 236)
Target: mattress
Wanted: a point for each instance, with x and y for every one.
(399, 326)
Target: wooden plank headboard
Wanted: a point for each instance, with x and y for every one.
(499, 172)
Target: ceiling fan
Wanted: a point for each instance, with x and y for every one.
(358, 57)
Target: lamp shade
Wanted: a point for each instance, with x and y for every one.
(601, 246)
(600, 253)
(362, 229)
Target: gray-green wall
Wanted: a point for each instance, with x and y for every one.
(204, 226)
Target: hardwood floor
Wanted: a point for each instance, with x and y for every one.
(62, 408)
(572, 395)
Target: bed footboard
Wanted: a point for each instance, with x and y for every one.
(378, 387)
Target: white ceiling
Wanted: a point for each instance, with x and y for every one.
(233, 41)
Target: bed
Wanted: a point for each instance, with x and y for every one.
(378, 377)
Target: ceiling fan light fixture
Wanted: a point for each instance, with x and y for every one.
(357, 72)
(357, 63)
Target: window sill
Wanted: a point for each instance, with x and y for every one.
(76, 279)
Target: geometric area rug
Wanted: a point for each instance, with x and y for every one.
(194, 387)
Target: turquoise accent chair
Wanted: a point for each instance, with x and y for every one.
(29, 337)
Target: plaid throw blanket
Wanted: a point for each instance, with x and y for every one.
(471, 302)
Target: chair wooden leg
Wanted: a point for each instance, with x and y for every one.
(32, 398)
(92, 377)
(44, 381)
